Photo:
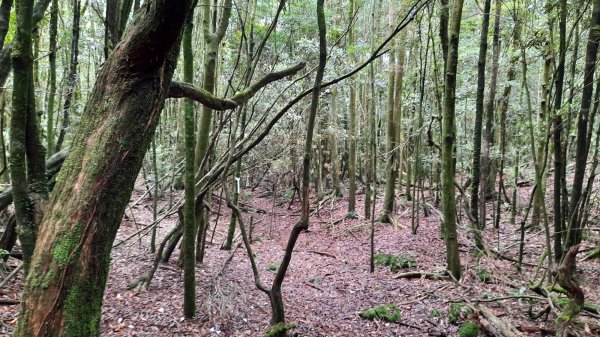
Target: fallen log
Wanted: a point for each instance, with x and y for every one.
(496, 326)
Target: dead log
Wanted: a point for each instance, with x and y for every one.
(496, 326)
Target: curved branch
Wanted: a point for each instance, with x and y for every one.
(179, 90)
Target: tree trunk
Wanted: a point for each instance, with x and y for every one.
(449, 139)
(189, 214)
(483, 46)
(64, 290)
(72, 77)
(52, 79)
(352, 136)
(574, 232)
(558, 126)
(278, 311)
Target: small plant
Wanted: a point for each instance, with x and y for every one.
(279, 328)
(484, 276)
(436, 314)
(385, 312)
(468, 329)
(458, 311)
(3, 253)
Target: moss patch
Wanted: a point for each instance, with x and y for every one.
(458, 311)
(468, 329)
(279, 328)
(484, 276)
(385, 312)
(273, 266)
(395, 262)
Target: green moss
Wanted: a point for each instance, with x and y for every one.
(484, 276)
(382, 259)
(436, 314)
(402, 261)
(273, 266)
(275, 330)
(458, 311)
(570, 310)
(468, 329)
(385, 312)
(81, 317)
(66, 246)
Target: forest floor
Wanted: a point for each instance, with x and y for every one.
(328, 283)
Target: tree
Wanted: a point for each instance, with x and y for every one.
(483, 46)
(64, 288)
(449, 138)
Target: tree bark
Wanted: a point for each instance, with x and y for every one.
(449, 139)
(63, 292)
(483, 46)
(574, 232)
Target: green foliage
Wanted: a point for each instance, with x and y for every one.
(279, 328)
(395, 262)
(468, 329)
(385, 312)
(484, 276)
(458, 311)
(3, 253)
(436, 314)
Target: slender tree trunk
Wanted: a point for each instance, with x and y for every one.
(574, 232)
(278, 311)
(189, 214)
(352, 134)
(333, 143)
(449, 139)
(72, 77)
(557, 134)
(52, 74)
(28, 177)
(483, 46)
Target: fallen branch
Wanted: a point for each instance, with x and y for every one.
(6, 301)
(422, 274)
(322, 253)
(496, 326)
(11, 275)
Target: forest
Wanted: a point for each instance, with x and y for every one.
(299, 168)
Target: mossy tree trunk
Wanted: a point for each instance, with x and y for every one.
(189, 214)
(214, 30)
(27, 155)
(581, 152)
(448, 141)
(64, 289)
(476, 175)
(52, 74)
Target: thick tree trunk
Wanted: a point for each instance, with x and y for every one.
(64, 289)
